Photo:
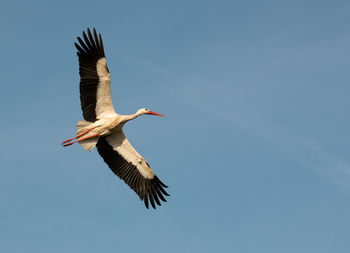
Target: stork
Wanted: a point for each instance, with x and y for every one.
(103, 127)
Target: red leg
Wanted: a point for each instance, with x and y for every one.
(68, 144)
(81, 134)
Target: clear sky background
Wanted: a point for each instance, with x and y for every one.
(255, 145)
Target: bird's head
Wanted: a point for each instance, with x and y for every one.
(147, 111)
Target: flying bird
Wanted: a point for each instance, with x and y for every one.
(103, 126)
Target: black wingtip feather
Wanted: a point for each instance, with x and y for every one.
(146, 201)
(155, 195)
(101, 44)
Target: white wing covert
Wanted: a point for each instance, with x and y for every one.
(132, 168)
(95, 89)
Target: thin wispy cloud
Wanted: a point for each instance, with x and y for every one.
(153, 68)
(302, 149)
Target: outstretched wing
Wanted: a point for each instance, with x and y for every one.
(131, 167)
(95, 89)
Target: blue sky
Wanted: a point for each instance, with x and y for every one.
(254, 146)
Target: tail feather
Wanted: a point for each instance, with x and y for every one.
(82, 124)
(90, 143)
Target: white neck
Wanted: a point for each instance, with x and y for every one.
(126, 118)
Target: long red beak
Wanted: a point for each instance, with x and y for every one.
(154, 113)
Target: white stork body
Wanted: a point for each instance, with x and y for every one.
(103, 126)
